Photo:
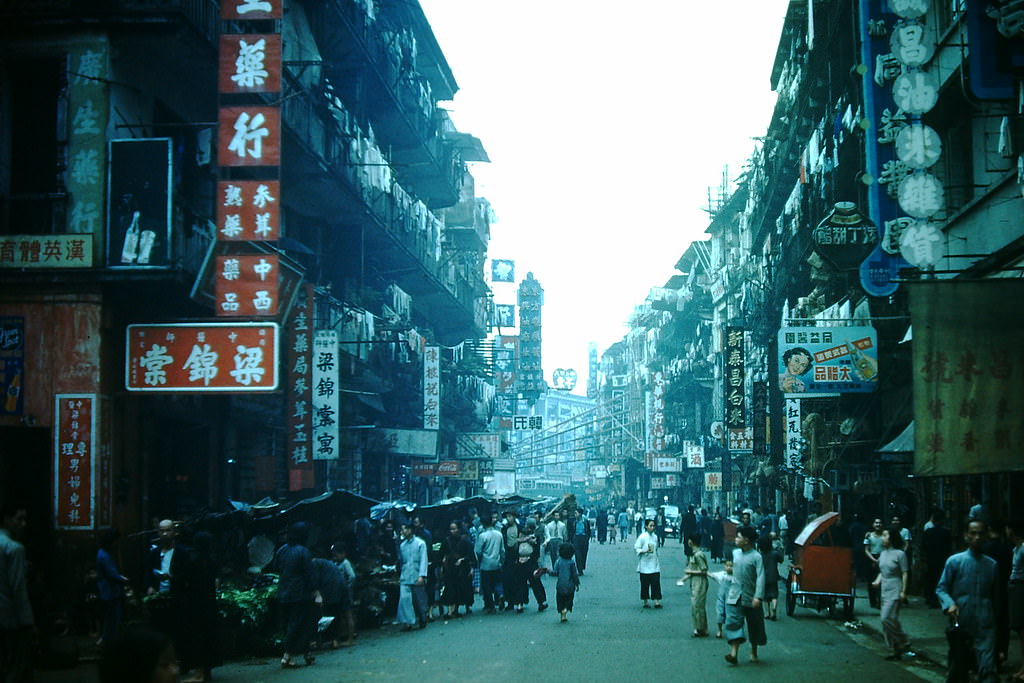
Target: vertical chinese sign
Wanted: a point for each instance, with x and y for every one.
(325, 395)
(75, 463)
(655, 413)
(247, 285)
(506, 353)
(86, 145)
(795, 443)
(12, 364)
(735, 399)
(431, 387)
(299, 373)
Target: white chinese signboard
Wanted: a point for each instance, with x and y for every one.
(239, 357)
(431, 387)
(694, 456)
(712, 481)
(325, 395)
(794, 453)
(75, 461)
(46, 251)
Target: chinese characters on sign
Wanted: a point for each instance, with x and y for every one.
(793, 458)
(202, 357)
(251, 9)
(325, 395)
(299, 375)
(46, 251)
(827, 360)
(75, 461)
(735, 398)
(249, 136)
(12, 364)
(712, 481)
(663, 463)
(248, 210)
(250, 63)
(246, 285)
(655, 413)
(741, 438)
(88, 104)
(695, 456)
(528, 422)
(431, 387)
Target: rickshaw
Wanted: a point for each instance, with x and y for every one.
(821, 575)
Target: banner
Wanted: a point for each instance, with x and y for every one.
(827, 360)
(299, 362)
(431, 387)
(326, 404)
(735, 376)
(967, 372)
(75, 461)
(795, 443)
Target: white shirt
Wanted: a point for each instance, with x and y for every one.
(648, 562)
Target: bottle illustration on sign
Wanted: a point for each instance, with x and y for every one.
(13, 393)
(865, 366)
(137, 245)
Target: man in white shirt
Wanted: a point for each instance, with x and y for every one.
(556, 533)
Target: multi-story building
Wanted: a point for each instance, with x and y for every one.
(154, 155)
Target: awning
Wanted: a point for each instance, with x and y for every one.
(904, 443)
(470, 146)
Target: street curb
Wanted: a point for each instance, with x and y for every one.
(876, 631)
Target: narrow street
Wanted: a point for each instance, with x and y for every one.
(609, 638)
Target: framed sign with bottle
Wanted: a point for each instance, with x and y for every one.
(827, 360)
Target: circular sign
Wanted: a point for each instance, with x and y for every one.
(921, 244)
(564, 379)
(918, 146)
(911, 44)
(908, 9)
(921, 195)
(915, 92)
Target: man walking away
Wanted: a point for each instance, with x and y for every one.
(490, 556)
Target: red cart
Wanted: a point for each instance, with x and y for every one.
(821, 575)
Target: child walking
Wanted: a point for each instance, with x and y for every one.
(724, 579)
(697, 575)
(568, 580)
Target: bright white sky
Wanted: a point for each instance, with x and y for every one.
(605, 123)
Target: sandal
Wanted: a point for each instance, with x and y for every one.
(287, 663)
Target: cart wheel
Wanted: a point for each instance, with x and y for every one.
(790, 602)
(848, 609)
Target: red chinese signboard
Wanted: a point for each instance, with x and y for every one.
(299, 391)
(249, 63)
(202, 357)
(249, 136)
(248, 210)
(246, 285)
(74, 462)
(251, 9)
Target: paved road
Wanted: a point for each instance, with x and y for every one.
(609, 638)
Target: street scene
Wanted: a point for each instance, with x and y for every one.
(420, 340)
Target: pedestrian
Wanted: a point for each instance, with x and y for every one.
(648, 565)
(528, 570)
(892, 582)
(412, 579)
(490, 556)
(339, 603)
(457, 561)
(725, 579)
(111, 585)
(717, 542)
(581, 541)
(195, 589)
(966, 592)
(610, 525)
(17, 621)
(298, 596)
(602, 527)
(555, 534)
(660, 523)
(138, 655)
(623, 522)
(872, 549)
(999, 549)
(1015, 596)
(697, 575)
(567, 581)
(936, 542)
(743, 604)
(688, 526)
(770, 557)
(784, 530)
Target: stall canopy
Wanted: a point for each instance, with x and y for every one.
(815, 528)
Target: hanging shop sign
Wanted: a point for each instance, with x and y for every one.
(237, 357)
(75, 461)
(248, 210)
(249, 63)
(694, 456)
(249, 136)
(325, 395)
(735, 368)
(663, 463)
(531, 422)
(741, 439)
(299, 359)
(793, 457)
(68, 250)
(246, 285)
(504, 315)
(759, 417)
(503, 270)
(487, 445)
(251, 9)
(88, 102)
(827, 360)
(712, 481)
(431, 387)
(417, 443)
(845, 236)
(967, 365)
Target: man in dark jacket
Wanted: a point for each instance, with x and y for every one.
(297, 595)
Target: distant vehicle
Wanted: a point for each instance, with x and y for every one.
(672, 519)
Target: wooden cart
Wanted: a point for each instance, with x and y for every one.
(822, 574)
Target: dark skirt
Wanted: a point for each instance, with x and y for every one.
(563, 601)
(458, 586)
(1016, 600)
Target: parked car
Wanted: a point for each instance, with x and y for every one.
(672, 519)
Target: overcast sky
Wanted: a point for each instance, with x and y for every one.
(605, 123)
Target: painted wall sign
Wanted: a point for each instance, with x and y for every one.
(75, 461)
(46, 251)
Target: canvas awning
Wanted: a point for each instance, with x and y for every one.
(904, 443)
